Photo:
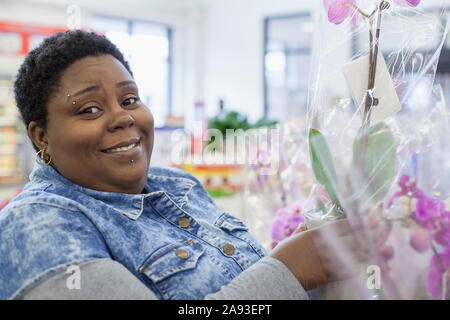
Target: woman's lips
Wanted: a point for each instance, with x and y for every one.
(121, 149)
(121, 146)
(125, 152)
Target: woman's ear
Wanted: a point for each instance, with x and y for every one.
(37, 135)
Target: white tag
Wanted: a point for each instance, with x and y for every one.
(357, 73)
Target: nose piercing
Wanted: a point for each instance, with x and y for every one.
(131, 161)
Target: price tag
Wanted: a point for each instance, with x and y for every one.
(357, 76)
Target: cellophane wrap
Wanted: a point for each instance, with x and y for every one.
(278, 176)
(391, 179)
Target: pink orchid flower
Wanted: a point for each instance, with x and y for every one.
(429, 212)
(407, 3)
(442, 237)
(286, 221)
(438, 265)
(407, 188)
(339, 10)
(420, 240)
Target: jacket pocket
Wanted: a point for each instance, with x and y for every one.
(230, 223)
(171, 259)
(239, 230)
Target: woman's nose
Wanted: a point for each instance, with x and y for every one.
(120, 119)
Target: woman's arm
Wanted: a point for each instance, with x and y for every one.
(304, 261)
(106, 279)
(100, 279)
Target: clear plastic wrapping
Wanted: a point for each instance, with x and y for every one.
(378, 141)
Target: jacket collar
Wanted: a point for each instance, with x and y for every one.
(130, 205)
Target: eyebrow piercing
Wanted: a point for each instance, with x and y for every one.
(68, 96)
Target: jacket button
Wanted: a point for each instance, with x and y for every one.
(228, 249)
(183, 222)
(183, 254)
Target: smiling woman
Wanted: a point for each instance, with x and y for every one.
(93, 141)
(135, 231)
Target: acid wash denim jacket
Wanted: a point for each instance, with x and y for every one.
(173, 237)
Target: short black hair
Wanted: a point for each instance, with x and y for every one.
(39, 75)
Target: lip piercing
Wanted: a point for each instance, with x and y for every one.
(131, 161)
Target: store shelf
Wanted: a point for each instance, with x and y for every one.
(7, 149)
(11, 180)
(7, 122)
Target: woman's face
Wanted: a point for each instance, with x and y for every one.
(99, 134)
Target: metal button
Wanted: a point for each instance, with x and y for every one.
(228, 249)
(183, 254)
(183, 222)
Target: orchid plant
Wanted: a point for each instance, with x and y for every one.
(340, 10)
(432, 231)
(374, 148)
(285, 222)
(374, 155)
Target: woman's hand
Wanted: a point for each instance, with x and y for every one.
(312, 256)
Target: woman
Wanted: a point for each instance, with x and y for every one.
(94, 206)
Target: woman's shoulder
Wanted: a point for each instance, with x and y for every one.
(40, 231)
(40, 195)
(176, 178)
(173, 172)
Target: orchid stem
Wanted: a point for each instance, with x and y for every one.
(373, 57)
(441, 264)
(357, 8)
(444, 285)
(444, 272)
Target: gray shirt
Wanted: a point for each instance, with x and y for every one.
(106, 279)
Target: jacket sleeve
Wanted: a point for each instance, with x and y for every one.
(268, 279)
(105, 279)
(39, 239)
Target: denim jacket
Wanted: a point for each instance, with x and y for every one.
(173, 237)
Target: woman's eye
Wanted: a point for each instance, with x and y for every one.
(89, 110)
(130, 101)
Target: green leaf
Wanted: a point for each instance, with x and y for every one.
(322, 164)
(321, 206)
(378, 163)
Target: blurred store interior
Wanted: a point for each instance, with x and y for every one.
(199, 64)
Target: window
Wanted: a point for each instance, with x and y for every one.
(147, 47)
(287, 59)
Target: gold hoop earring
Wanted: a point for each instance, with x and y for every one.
(46, 158)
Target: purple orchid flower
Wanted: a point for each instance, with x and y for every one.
(278, 230)
(429, 212)
(407, 3)
(439, 264)
(339, 10)
(420, 240)
(442, 237)
(286, 221)
(407, 188)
